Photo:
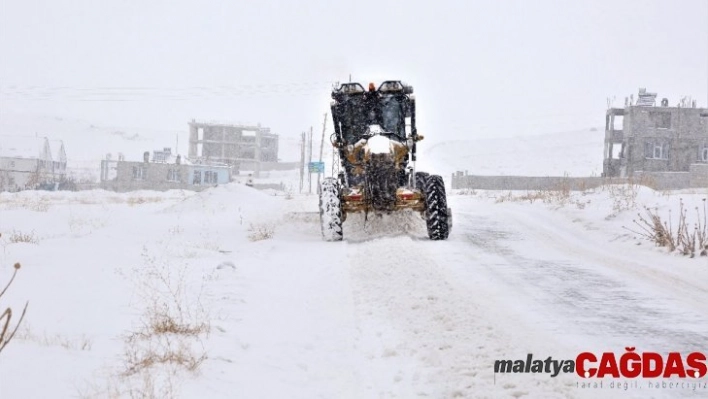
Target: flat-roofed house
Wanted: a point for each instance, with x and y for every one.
(26, 162)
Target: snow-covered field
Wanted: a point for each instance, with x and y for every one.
(384, 314)
(231, 293)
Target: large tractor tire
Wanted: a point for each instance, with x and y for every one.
(330, 210)
(420, 178)
(436, 212)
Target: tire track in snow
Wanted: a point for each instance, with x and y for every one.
(424, 334)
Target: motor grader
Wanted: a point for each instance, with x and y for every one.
(375, 138)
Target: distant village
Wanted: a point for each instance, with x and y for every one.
(216, 153)
(645, 140)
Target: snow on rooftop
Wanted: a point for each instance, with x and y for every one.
(58, 150)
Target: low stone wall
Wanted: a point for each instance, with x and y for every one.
(699, 175)
(525, 182)
(696, 178)
(664, 180)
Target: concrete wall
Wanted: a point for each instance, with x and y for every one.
(25, 173)
(699, 175)
(696, 178)
(155, 176)
(525, 182)
(663, 180)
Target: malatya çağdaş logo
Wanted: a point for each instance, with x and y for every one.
(629, 364)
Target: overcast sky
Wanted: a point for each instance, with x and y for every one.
(479, 68)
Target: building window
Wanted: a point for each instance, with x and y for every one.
(210, 177)
(704, 154)
(662, 120)
(197, 177)
(138, 173)
(656, 150)
(173, 175)
(618, 150)
(617, 122)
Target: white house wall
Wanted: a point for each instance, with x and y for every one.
(16, 173)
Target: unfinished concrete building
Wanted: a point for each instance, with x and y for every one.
(646, 138)
(243, 147)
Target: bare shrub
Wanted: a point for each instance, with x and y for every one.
(685, 240)
(508, 197)
(176, 229)
(18, 236)
(165, 345)
(702, 230)
(467, 191)
(652, 228)
(561, 194)
(38, 205)
(261, 231)
(160, 320)
(172, 323)
(82, 343)
(84, 225)
(6, 316)
(167, 349)
(132, 201)
(170, 304)
(624, 194)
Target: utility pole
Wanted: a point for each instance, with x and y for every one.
(309, 161)
(302, 160)
(324, 127)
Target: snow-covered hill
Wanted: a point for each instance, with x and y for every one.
(575, 153)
